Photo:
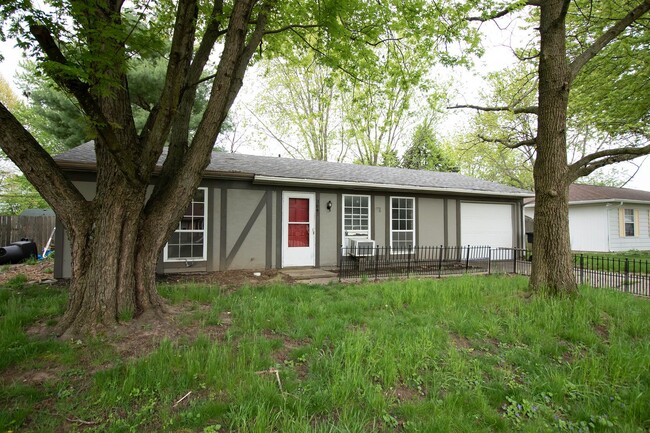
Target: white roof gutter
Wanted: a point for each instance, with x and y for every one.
(378, 186)
(620, 201)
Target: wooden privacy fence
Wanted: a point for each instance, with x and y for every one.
(36, 228)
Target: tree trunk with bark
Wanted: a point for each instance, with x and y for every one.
(109, 241)
(108, 280)
(552, 260)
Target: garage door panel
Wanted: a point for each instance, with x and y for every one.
(486, 224)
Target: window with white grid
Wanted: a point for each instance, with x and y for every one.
(356, 216)
(402, 223)
(188, 242)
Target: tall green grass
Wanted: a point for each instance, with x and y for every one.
(468, 354)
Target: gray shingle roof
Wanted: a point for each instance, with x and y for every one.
(579, 192)
(266, 169)
(591, 193)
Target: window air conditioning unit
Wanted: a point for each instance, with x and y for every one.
(361, 247)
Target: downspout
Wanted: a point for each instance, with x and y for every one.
(609, 230)
(522, 232)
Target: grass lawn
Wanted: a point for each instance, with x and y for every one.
(465, 354)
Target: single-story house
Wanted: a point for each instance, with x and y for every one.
(255, 212)
(603, 218)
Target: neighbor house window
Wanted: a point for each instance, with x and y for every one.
(188, 242)
(402, 222)
(356, 216)
(629, 222)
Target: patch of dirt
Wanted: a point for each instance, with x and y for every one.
(602, 328)
(42, 271)
(602, 331)
(228, 279)
(405, 393)
(459, 341)
(143, 335)
(30, 377)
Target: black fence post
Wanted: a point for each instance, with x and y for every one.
(440, 262)
(376, 262)
(626, 281)
(582, 270)
(408, 262)
(514, 261)
(467, 259)
(489, 261)
(340, 262)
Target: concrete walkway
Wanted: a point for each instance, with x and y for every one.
(310, 275)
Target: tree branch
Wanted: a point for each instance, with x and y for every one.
(607, 37)
(316, 50)
(508, 144)
(596, 160)
(520, 110)
(503, 12)
(81, 91)
(34, 162)
(167, 202)
(292, 27)
(161, 117)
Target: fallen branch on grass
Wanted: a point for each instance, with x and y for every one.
(80, 421)
(273, 371)
(182, 398)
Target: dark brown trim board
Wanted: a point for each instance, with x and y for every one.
(223, 229)
(246, 230)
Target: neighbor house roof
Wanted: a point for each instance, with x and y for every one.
(585, 194)
(298, 172)
(37, 212)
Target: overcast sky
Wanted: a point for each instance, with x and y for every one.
(498, 54)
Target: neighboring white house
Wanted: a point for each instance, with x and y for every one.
(604, 218)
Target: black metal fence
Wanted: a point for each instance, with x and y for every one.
(388, 262)
(629, 275)
(624, 274)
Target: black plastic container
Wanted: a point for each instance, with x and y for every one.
(17, 252)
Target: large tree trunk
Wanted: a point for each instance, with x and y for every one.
(113, 264)
(110, 241)
(552, 261)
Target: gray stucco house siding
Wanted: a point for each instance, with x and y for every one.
(246, 224)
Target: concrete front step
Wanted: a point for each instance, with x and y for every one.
(303, 274)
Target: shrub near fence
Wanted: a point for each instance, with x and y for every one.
(37, 228)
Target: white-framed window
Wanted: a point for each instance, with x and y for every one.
(188, 242)
(356, 217)
(402, 222)
(629, 222)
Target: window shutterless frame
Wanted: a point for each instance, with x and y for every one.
(356, 216)
(402, 223)
(189, 240)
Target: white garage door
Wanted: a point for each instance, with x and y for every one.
(486, 224)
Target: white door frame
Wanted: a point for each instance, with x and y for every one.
(298, 256)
